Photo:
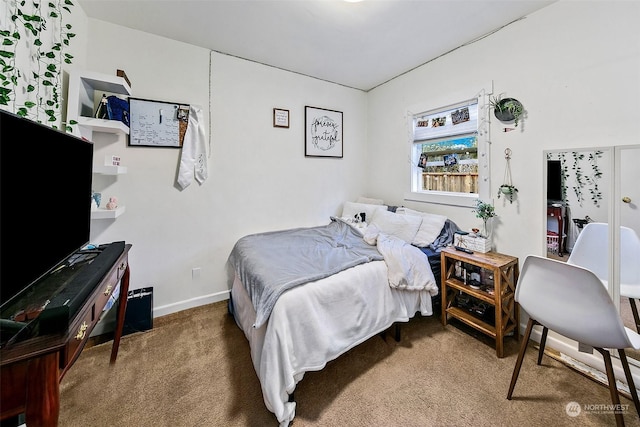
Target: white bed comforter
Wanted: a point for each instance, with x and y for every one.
(313, 324)
(406, 265)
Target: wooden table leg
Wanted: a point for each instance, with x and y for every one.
(497, 292)
(42, 406)
(122, 309)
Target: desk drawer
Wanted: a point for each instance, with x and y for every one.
(108, 287)
(81, 328)
(78, 335)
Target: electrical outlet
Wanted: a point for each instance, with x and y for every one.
(195, 273)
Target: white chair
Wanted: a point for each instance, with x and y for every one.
(571, 301)
(591, 251)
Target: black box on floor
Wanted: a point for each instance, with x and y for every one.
(139, 314)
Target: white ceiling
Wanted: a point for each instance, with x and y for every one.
(359, 45)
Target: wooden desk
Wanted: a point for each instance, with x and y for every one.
(32, 369)
(505, 272)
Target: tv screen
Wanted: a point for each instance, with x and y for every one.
(45, 200)
(554, 180)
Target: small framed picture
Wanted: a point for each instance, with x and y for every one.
(280, 118)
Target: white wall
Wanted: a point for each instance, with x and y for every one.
(566, 70)
(574, 65)
(576, 68)
(259, 178)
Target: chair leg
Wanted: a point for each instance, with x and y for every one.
(613, 389)
(630, 383)
(523, 348)
(543, 343)
(634, 310)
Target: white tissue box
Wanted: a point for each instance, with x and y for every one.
(475, 243)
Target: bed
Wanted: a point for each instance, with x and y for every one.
(302, 301)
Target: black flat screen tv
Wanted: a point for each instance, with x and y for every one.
(45, 200)
(554, 180)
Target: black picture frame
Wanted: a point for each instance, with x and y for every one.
(157, 123)
(280, 118)
(324, 133)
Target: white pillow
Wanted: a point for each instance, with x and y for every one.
(370, 201)
(349, 209)
(429, 229)
(403, 227)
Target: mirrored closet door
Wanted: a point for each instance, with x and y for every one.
(626, 213)
(597, 185)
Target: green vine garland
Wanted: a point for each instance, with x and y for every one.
(34, 92)
(583, 180)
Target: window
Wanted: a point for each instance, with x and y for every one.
(449, 161)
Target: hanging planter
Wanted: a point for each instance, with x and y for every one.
(507, 110)
(508, 190)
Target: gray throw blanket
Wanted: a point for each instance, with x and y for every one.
(446, 236)
(271, 263)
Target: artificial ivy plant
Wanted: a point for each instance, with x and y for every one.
(581, 169)
(30, 84)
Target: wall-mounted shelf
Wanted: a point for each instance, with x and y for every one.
(110, 170)
(106, 213)
(84, 86)
(102, 125)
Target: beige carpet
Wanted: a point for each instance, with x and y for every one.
(194, 369)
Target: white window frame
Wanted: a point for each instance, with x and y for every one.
(484, 171)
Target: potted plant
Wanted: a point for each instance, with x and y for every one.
(508, 190)
(484, 211)
(507, 109)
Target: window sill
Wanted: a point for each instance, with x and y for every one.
(467, 200)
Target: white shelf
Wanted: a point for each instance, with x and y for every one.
(83, 87)
(106, 213)
(102, 125)
(110, 170)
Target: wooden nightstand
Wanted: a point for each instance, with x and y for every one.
(505, 271)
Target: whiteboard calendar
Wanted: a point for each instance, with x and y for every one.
(157, 123)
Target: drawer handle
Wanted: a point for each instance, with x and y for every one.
(108, 290)
(82, 331)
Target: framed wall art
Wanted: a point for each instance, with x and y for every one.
(323, 132)
(280, 118)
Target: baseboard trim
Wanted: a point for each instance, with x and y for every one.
(568, 354)
(164, 310)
